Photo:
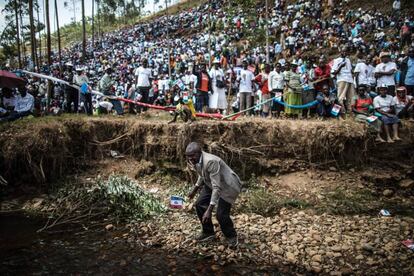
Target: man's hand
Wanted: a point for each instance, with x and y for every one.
(207, 215)
(193, 192)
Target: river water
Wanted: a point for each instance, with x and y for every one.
(79, 251)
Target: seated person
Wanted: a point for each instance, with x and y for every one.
(384, 104)
(404, 104)
(8, 100)
(327, 100)
(24, 106)
(363, 109)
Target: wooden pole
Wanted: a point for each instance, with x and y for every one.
(17, 33)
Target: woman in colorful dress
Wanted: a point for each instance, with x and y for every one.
(293, 94)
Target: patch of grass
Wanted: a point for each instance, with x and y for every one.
(347, 202)
(263, 202)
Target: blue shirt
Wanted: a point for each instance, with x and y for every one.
(409, 78)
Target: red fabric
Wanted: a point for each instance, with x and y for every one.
(10, 80)
(362, 104)
(264, 87)
(321, 73)
(204, 82)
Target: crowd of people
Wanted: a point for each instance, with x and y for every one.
(325, 61)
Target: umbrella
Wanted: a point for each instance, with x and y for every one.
(10, 80)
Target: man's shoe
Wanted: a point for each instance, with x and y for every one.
(233, 242)
(205, 237)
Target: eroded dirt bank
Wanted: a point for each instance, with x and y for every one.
(42, 151)
(310, 203)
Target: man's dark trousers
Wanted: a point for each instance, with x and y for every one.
(222, 214)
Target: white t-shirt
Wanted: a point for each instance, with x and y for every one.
(345, 74)
(386, 67)
(363, 76)
(245, 79)
(144, 75)
(384, 104)
(400, 105)
(276, 80)
(371, 75)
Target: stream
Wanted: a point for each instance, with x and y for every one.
(23, 251)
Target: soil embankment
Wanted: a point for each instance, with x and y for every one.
(42, 151)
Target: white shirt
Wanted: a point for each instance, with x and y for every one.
(384, 104)
(276, 80)
(363, 73)
(345, 74)
(9, 102)
(25, 103)
(371, 75)
(216, 74)
(386, 67)
(144, 75)
(187, 79)
(245, 79)
(400, 105)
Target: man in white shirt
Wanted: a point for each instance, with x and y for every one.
(245, 86)
(276, 84)
(24, 106)
(342, 70)
(385, 73)
(362, 72)
(82, 81)
(143, 82)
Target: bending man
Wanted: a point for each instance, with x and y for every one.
(219, 186)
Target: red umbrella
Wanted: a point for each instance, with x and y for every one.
(10, 80)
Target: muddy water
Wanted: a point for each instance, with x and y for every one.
(23, 251)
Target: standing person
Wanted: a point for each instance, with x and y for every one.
(245, 79)
(385, 105)
(385, 73)
(342, 70)
(220, 188)
(276, 85)
(322, 75)
(362, 72)
(407, 72)
(72, 94)
(218, 98)
(203, 86)
(143, 82)
(106, 87)
(82, 81)
(293, 96)
(405, 34)
(263, 80)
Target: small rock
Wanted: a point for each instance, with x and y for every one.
(215, 267)
(221, 248)
(332, 169)
(359, 257)
(406, 183)
(109, 227)
(275, 248)
(290, 257)
(368, 247)
(317, 258)
(388, 192)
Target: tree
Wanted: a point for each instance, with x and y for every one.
(58, 36)
(17, 33)
(48, 39)
(33, 36)
(83, 32)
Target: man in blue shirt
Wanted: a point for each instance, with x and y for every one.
(24, 106)
(407, 72)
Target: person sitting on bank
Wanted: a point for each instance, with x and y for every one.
(385, 105)
(24, 106)
(220, 187)
(327, 99)
(404, 104)
(362, 106)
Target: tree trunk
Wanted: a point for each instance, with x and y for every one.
(93, 23)
(32, 34)
(99, 19)
(40, 34)
(22, 35)
(17, 34)
(83, 32)
(49, 41)
(58, 37)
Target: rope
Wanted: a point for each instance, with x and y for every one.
(308, 105)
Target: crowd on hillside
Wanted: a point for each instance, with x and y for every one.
(324, 60)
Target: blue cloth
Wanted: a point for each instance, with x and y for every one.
(409, 78)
